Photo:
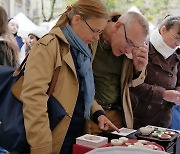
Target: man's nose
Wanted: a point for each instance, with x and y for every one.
(129, 49)
(96, 36)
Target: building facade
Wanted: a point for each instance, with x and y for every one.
(33, 8)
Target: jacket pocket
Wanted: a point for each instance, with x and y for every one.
(56, 112)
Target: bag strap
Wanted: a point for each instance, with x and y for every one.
(20, 68)
(55, 75)
(53, 81)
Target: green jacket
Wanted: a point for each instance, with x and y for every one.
(126, 82)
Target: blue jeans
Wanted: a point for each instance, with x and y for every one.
(3, 151)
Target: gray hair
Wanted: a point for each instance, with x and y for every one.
(131, 18)
(169, 22)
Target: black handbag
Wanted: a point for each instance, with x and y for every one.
(12, 131)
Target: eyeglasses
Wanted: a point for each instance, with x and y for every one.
(175, 36)
(129, 42)
(94, 31)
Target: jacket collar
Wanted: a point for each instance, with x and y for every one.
(57, 31)
(157, 58)
(67, 57)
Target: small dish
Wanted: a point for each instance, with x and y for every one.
(124, 139)
(138, 144)
(162, 129)
(156, 133)
(127, 143)
(151, 146)
(116, 142)
(164, 136)
(149, 126)
(169, 132)
(146, 130)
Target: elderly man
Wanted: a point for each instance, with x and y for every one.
(120, 62)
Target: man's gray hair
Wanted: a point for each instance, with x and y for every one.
(131, 18)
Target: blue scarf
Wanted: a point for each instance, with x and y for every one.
(84, 56)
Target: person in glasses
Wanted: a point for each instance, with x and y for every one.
(120, 62)
(67, 45)
(154, 99)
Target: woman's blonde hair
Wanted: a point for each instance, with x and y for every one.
(12, 47)
(85, 8)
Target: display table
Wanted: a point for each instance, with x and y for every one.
(169, 146)
(79, 149)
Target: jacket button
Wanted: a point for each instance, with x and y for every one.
(170, 74)
(0, 122)
(157, 73)
(149, 107)
(162, 107)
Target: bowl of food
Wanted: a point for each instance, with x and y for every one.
(116, 142)
(170, 132)
(124, 139)
(162, 129)
(146, 130)
(156, 133)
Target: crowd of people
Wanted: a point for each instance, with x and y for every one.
(113, 73)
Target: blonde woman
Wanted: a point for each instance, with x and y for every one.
(78, 27)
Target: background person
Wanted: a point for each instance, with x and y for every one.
(8, 48)
(13, 27)
(33, 36)
(114, 72)
(153, 100)
(79, 26)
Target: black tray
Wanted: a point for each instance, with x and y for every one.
(152, 138)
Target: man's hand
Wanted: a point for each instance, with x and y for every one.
(105, 124)
(172, 96)
(140, 57)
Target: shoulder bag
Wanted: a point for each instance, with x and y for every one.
(12, 131)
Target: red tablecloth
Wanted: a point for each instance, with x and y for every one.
(79, 149)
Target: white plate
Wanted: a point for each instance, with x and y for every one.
(164, 136)
(124, 131)
(116, 142)
(169, 132)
